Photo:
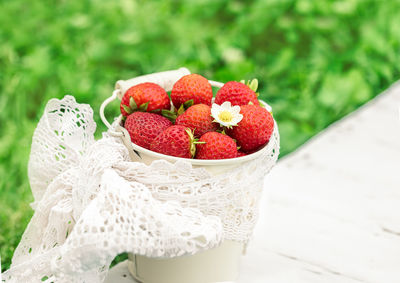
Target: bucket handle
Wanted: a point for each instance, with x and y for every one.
(165, 79)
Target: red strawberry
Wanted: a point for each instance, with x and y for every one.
(176, 141)
(255, 129)
(144, 127)
(240, 153)
(191, 87)
(237, 93)
(198, 119)
(216, 146)
(144, 97)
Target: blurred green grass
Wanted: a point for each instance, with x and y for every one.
(316, 61)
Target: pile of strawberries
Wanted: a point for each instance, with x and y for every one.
(194, 127)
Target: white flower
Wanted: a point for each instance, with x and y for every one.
(226, 114)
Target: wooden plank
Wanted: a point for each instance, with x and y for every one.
(333, 206)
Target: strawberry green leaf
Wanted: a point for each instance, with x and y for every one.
(127, 109)
(144, 107)
(181, 109)
(132, 103)
(221, 131)
(170, 115)
(192, 142)
(253, 85)
(188, 103)
(166, 112)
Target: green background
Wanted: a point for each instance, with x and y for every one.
(316, 61)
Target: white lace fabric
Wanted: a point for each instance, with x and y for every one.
(92, 203)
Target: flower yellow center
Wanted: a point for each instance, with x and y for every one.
(225, 116)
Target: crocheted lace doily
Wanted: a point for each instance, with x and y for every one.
(92, 203)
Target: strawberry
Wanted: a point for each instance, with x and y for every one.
(198, 119)
(176, 140)
(254, 130)
(240, 153)
(213, 145)
(238, 93)
(144, 127)
(148, 97)
(193, 88)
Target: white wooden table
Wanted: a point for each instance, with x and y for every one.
(331, 210)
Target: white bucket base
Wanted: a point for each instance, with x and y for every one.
(216, 265)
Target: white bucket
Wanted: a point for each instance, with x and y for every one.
(220, 264)
(216, 265)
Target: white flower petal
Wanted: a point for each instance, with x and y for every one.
(226, 105)
(214, 113)
(215, 109)
(215, 106)
(235, 121)
(238, 118)
(235, 110)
